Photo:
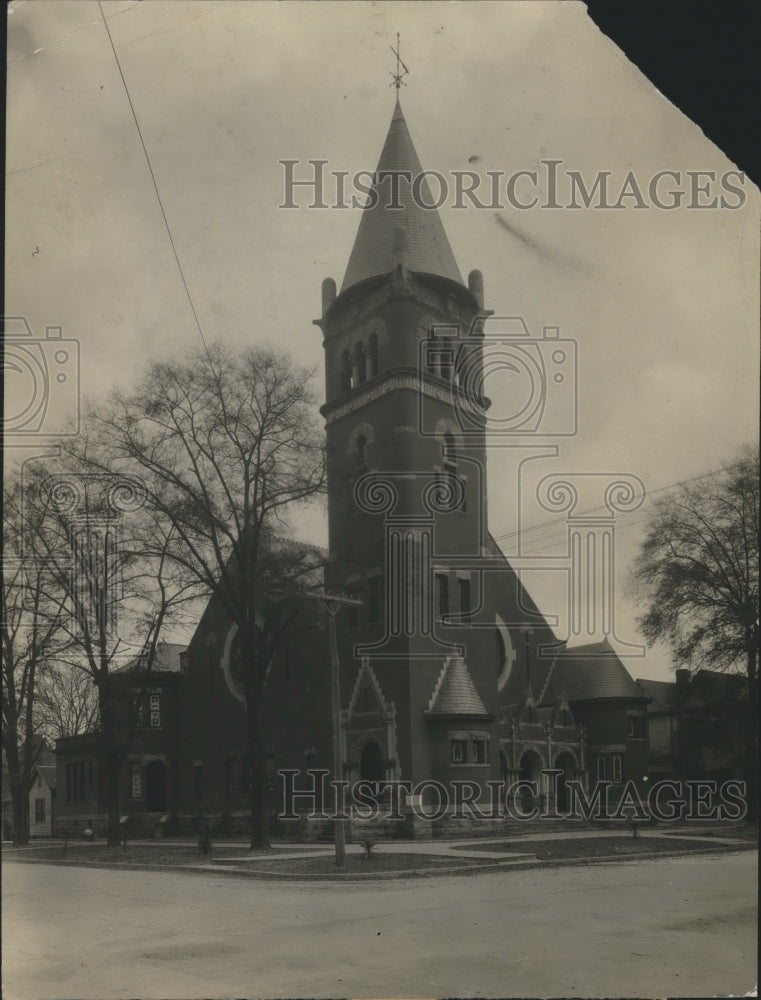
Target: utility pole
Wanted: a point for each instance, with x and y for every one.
(332, 604)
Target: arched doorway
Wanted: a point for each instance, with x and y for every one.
(565, 763)
(371, 764)
(530, 768)
(155, 791)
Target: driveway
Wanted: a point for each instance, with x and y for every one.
(678, 927)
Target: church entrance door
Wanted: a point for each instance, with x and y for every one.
(370, 764)
(155, 791)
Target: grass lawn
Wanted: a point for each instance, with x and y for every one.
(358, 864)
(590, 847)
(730, 833)
(139, 854)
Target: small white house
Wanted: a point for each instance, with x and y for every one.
(42, 801)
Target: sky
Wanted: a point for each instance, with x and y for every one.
(662, 304)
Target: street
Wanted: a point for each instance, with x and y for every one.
(676, 927)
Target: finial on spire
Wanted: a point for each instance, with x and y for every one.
(398, 77)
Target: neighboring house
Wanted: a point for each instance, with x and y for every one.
(696, 726)
(43, 756)
(42, 797)
(148, 779)
(661, 726)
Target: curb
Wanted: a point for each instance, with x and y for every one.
(478, 869)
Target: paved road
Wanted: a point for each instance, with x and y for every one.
(679, 927)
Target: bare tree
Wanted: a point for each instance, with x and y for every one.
(104, 566)
(32, 632)
(227, 444)
(697, 574)
(67, 701)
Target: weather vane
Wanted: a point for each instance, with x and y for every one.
(398, 77)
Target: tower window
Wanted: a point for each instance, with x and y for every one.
(361, 453)
(359, 372)
(446, 360)
(463, 585)
(345, 372)
(459, 751)
(372, 355)
(442, 595)
(449, 452)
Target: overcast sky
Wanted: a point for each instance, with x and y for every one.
(662, 304)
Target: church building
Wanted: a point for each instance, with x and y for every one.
(448, 670)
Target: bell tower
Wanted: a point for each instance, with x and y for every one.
(405, 416)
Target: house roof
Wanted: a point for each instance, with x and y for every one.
(48, 772)
(167, 659)
(428, 249)
(590, 673)
(455, 693)
(661, 692)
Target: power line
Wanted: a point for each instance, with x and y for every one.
(562, 520)
(153, 177)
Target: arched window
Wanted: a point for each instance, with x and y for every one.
(446, 359)
(359, 372)
(346, 384)
(360, 455)
(449, 452)
(433, 355)
(372, 355)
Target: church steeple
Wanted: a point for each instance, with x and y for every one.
(398, 203)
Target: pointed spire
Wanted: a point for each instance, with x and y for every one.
(428, 249)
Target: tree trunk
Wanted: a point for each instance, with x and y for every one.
(19, 787)
(112, 768)
(257, 749)
(20, 801)
(260, 833)
(112, 759)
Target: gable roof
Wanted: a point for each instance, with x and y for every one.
(592, 672)
(455, 693)
(48, 774)
(428, 248)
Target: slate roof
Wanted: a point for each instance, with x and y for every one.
(428, 248)
(591, 673)
(455, 693)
